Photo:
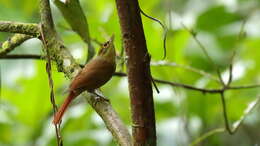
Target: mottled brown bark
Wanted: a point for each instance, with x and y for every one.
(139, 77)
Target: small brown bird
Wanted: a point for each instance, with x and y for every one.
(96, 73)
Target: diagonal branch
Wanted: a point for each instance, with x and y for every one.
(112, 122)
(14, 41)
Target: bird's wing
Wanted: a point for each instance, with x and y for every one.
(94, 74)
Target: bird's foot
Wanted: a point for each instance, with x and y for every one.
(99, 98)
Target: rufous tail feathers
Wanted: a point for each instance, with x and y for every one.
(62, 109)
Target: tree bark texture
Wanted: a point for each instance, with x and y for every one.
(139, 77)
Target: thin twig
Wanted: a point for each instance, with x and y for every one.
(169, 9)
(241, 32)
(155, 86)
(186, 67)
(231, 69)
(227, 85)
(151, 77)
(193, 34)
(122, 59)
(186, 86)
(239, 37)
(52, 98)
(224, 107)
(190, 87)
(22, 56)
(206, 135)
(236, 125)
(243, 87)
(204, 90)
(164, 29)
(247, 111)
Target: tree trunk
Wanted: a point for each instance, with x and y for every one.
(139, 78)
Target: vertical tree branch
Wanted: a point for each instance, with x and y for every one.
(140, 88)
(46, 17)
(58, 52)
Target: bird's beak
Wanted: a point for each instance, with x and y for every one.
(112, 38)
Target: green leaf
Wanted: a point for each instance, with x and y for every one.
(214, 18)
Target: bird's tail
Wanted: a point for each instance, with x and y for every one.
(62, 109)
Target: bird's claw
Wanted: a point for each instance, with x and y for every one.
(100, 98)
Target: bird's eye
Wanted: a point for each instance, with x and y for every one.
(106, 44)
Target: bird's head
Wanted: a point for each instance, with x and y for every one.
(107, 50)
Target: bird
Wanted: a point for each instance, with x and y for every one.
(95, 73)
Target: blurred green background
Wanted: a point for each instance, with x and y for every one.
(181, 115)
